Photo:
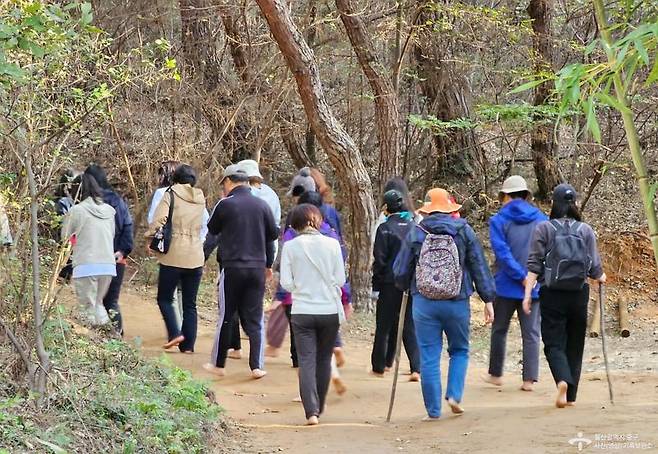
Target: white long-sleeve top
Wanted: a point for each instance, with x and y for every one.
(312, 270)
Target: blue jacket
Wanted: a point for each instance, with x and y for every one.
(123, 233)
(511, 232)
(471, 257)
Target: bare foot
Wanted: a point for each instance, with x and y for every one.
(297, 399)
(571, 404)
(377, 374)
(387, 369)
(312, 421)
(219, 371)
(431, 419)
(527, 386)
(258, 373)
(339, 384)
(455, 407)
(496, 381)
(187, 352)
(174, 342)
(340, 356)
(414, 377)
(561, 399)
(271, 352)
(235, 354)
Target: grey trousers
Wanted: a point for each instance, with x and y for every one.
(90, 291)
(315, 336)
(504, 308)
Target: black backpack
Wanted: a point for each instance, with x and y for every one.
(567, 263)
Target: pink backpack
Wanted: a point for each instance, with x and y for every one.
(438, 272)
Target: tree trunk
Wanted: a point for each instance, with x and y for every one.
(544, 145)
(201, 57)
(339, 146)
(41, 372)
(387, 116)
(448, 95)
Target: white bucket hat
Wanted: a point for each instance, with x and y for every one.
(515, 183)
(250, 167)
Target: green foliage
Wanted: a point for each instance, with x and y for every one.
(113, 395)
(589, 87)
(439, 127)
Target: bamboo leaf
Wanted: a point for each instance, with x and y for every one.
(527, 86)
(642, 51)
(592, 121)
(653, 75)
(610, 101)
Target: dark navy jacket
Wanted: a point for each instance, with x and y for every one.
(471, 257)
(388, 241)
(246, 228)
(123, 233)
(511, 232)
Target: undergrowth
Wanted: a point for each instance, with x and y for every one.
(105, 397)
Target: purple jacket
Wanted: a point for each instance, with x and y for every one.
(326, 230)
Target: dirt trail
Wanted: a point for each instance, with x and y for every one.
(496, 419)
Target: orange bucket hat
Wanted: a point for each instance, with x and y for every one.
(438, 200)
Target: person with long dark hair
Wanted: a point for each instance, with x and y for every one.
(563, 254)
(182, 265)
(89, 225)
(123, 242)
(312, 270)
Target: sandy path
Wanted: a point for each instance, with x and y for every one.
(505, 420)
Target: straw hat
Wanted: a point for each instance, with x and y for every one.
(438, 200)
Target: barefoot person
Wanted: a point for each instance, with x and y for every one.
(246, 230)
(511, 232)
(440, 261)
(269, 196)
(563, 254)
(314, 198)
(312, 270)
(388, 240)
(182, 265)
(90, 227)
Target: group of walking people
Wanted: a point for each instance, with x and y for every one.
(430, 255)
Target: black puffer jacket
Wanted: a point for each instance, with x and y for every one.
(388, 241)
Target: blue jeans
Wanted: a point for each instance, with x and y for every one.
(432, 319)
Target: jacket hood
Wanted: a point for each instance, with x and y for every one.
(521, 212)
(442, 224)
(100, 211)
(189, 194)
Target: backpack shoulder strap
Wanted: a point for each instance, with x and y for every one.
(556, 224)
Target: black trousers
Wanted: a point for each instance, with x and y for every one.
(388, 316)
(563, 326)
(293, 347)
(315, 336)
(236, 342)
(188, 279)
(244, 289)
(111, 300)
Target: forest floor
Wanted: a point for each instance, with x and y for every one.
(267, 419)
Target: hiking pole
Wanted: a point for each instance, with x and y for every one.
(603, 343)
(398, 347)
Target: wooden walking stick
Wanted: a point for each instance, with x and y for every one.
(603, 343)
(398, 347)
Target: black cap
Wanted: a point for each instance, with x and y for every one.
(393, 201)
(564, 193)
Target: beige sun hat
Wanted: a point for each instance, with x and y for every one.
(515, 183)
